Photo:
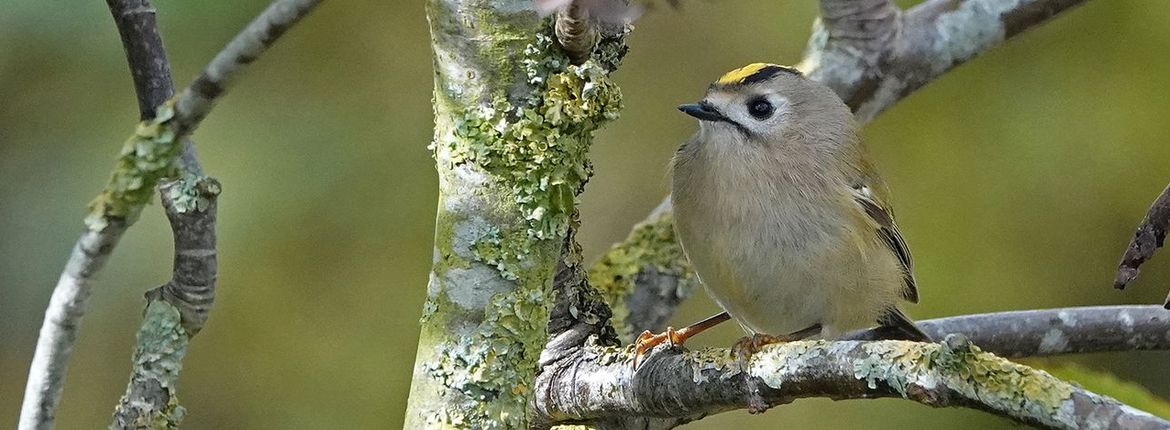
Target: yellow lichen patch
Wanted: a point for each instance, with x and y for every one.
(651, 244)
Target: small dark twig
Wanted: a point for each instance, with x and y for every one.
(144, 52)
(1150, 235)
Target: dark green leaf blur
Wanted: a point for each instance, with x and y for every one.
(1017, 179)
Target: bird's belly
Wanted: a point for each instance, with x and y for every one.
(792, 278)
(789, 296)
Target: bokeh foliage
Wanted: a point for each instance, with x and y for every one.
(1017, 181)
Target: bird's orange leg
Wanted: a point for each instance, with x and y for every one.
(647, 340)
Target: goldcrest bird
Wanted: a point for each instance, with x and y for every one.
(782, 217)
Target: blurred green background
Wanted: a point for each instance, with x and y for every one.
(1018, 180)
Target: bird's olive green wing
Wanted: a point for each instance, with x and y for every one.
(870, 200)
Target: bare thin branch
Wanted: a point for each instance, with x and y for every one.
(1035, 333)
(673, 387)
(62, 321)
(197, 99)
(1150, 235)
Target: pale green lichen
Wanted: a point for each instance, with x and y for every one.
(539, 147)
(158, 358)
(651, 244)
(151, 154)
(960, 366)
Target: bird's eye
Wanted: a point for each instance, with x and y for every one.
(760, 108)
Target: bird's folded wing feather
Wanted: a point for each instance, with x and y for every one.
(883, 219)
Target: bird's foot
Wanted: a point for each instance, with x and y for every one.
(647, 341)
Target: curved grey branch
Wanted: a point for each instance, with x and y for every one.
(196, 100)
(150, 70)
(597, 383)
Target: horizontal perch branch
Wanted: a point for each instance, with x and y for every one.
(598, 383)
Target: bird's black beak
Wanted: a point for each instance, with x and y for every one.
(703, 111)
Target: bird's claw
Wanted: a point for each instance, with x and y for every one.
(745, 347)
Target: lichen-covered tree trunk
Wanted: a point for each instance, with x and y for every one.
(513, 123)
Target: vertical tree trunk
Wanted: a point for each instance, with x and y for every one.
(513, 123)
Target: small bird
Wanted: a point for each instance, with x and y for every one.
(782, 217)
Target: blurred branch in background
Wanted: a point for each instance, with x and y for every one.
(159, 149)
(872, 55)
(1150, 235)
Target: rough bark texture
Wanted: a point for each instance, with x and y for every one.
(513, 122)
(1150, 235)
(175, 311)
(872, 55)
(600, 385)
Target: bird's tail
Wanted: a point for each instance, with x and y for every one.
(895, 325)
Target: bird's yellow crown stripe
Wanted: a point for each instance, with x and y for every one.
(739, 75)
(754, 73)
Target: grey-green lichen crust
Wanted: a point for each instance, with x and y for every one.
(150, 401)
(954, 365)
(148, 156)
(510, 172)
(193, 193)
